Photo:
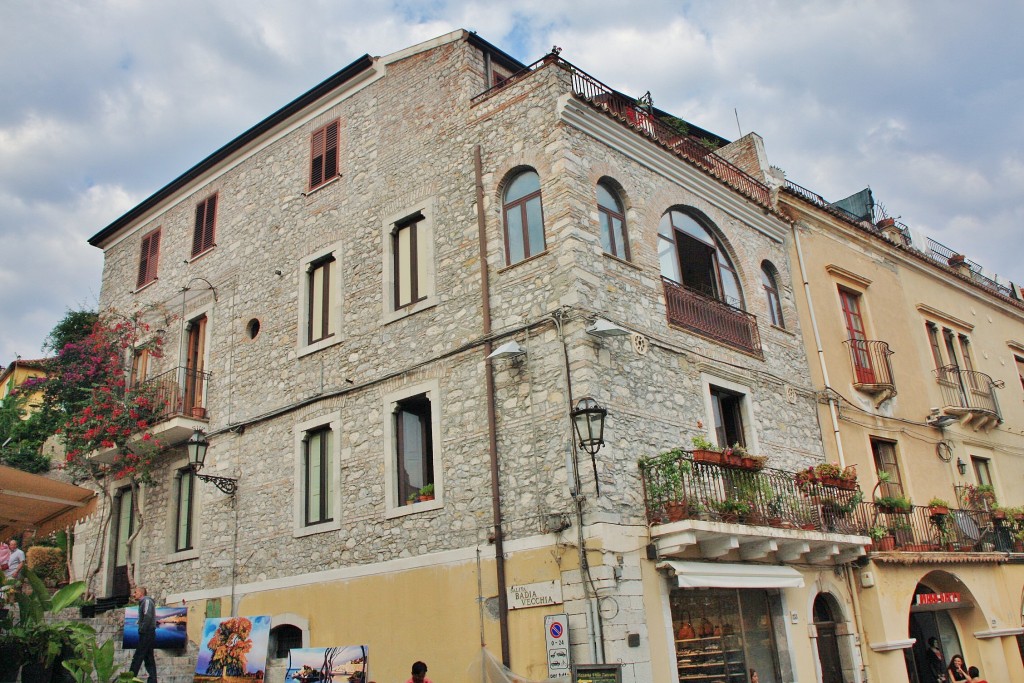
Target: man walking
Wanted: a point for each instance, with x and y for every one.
(147, 635)
(15, 560)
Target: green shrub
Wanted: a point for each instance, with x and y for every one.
(48, 563)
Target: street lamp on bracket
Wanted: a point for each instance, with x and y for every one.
(588, 422)
(197, 445)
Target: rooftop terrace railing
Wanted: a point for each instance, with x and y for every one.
(933, 249)
(643, 118)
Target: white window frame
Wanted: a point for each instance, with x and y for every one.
(426, 264)
(392, 506)
(305, 268)
(173, 470)
(299, 528)
(746, 409)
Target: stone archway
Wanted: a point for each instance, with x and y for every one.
(832, 638)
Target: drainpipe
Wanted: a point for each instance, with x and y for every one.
(864, 674)
(833, 411)
(492, 430)
(595, 630)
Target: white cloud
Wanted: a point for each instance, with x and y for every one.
(105, 101)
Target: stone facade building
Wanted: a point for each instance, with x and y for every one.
(382, 306)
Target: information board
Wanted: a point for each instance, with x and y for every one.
(597, 673)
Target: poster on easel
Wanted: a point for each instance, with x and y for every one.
(345, 664)
(171, 628)
(233, 649)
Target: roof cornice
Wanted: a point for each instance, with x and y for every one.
(303, 101)
(663, 162)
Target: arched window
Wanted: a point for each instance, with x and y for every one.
(284, 638)
(613, 222)
(692, 256)
(524, 218)
(771, 293)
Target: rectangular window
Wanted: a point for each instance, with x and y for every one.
(855, 334)
(323, 155)
(409, 273)
(320, 281)
(149, 255)
(884, 453)
(727, 409)
(414, 457)
(205, 228)
(318, 477)
(184, 485)
(140, 366)
(1020, 369)
(982, 471)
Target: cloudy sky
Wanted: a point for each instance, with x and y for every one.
(102, 102)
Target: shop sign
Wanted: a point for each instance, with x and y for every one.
(597, 673)
(535, 594)
(556, 636)
(936, 598)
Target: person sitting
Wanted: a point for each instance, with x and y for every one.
(975, 675)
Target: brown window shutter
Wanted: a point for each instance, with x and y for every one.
(316, 169)
(331, 151)
(197, 233)
(211, 219)
(154, 256)
(144, 262)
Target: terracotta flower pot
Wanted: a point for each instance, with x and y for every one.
(938, 510)
(710, 457)
(885, 544)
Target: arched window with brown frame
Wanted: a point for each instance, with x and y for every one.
(523, 216)
(612, 217)
(693, 256)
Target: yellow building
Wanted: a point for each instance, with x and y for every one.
(16, 374)
(917, 359)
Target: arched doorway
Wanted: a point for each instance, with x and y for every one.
(826, 620)
(930, 617)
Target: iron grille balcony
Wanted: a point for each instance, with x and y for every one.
(967, 392)
(871, 366)
(682, 487)
(678, 487)
(711, 318)
(181, 391)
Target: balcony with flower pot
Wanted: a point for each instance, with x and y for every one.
(172, 406)
(705, 504)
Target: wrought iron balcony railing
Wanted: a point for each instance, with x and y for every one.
(712, 318)
(677, 486)
(957, 530)
(872, 368)
(181, 391)
(967, 391)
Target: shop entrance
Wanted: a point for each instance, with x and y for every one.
(930, 618)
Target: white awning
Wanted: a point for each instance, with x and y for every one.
(715, 575)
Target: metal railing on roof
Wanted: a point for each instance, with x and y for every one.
(934, 250)
(643, 119)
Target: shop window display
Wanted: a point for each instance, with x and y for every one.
(727, 635)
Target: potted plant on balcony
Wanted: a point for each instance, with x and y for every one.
(981, 497)
(1018, 541)
(663, 478)
(893, 505)
(829, 474)
(882, 538)
(999, 513)
(705, 451)
(732, 456)
(937, 507)
(805, 478)
(733, 510)
(848, 478)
